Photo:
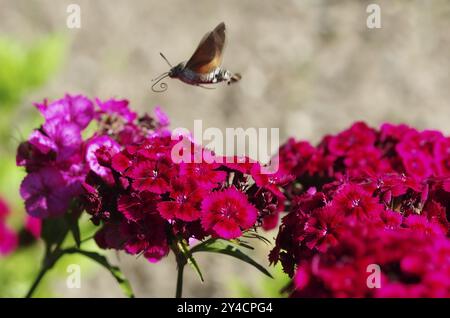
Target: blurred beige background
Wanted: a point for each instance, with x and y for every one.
(309, 67)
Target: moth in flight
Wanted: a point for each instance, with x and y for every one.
(204, 67)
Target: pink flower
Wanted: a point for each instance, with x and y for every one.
(273, 181)
(73, 109)
(206, 175)
(137, 205)
(8, 238)
(322, 229)
(442, 156)
(150, 176)
(117, 107)
(46, 193)
(161, 117)
(227, 213)
(354, 201)
(101, 146)
(357, 136)
(417, 165)
(33, 226)
(186, 196)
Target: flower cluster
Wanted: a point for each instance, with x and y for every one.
(363, 151)
(367, 197)
(147, 201)
(57, 157)
(124, 175)
(8, 238)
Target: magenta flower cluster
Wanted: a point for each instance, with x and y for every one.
(360, 198)
(146, 202)
(124, 177)
(367, 197)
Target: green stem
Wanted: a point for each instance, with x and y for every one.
(181, 263)
(179, 291)
(49, 260)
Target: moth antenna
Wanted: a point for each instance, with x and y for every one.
(162, 85)
(165, 59)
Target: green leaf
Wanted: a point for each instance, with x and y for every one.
(223, 247)
(254, 235)
(242, 244)
(54, 230)
(114, 270)
(191, 260)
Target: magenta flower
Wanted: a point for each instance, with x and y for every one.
(137, 205)
(150, 176)
(33, 226)
(354, 201)
(442, 156)
(46, 193)
(206, 175)
(105, 148)
(227, 213)
(117, 107)
(357, 136)
(186, 196)
(71, 109)
(8, 238)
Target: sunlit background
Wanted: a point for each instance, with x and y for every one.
(309, 67)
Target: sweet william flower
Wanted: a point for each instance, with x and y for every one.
(77, 110)
(116, 107)
(359, 135)
(46, 193)
(227, 213)
(150, 176)
(136, 206)
(103, 148)
(186, 196)
(352, 200)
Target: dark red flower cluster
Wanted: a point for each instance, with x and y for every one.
(148, 200)
(363, 151)
(125, 176)
(367, 197)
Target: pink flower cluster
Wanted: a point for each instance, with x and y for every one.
(367, 197)
(124, 177)
(57, 157)
(146, 201)
(8, 238)
(364, 151)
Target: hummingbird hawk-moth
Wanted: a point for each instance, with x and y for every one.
(204, 67)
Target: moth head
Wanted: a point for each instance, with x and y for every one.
(176, 70)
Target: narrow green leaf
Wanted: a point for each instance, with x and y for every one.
(222, 247)
(114, 270)
(254, 235)
(242, 244)
(191, 260)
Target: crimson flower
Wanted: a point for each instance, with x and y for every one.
(227, 213)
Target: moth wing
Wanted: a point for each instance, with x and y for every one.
(208, 55)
